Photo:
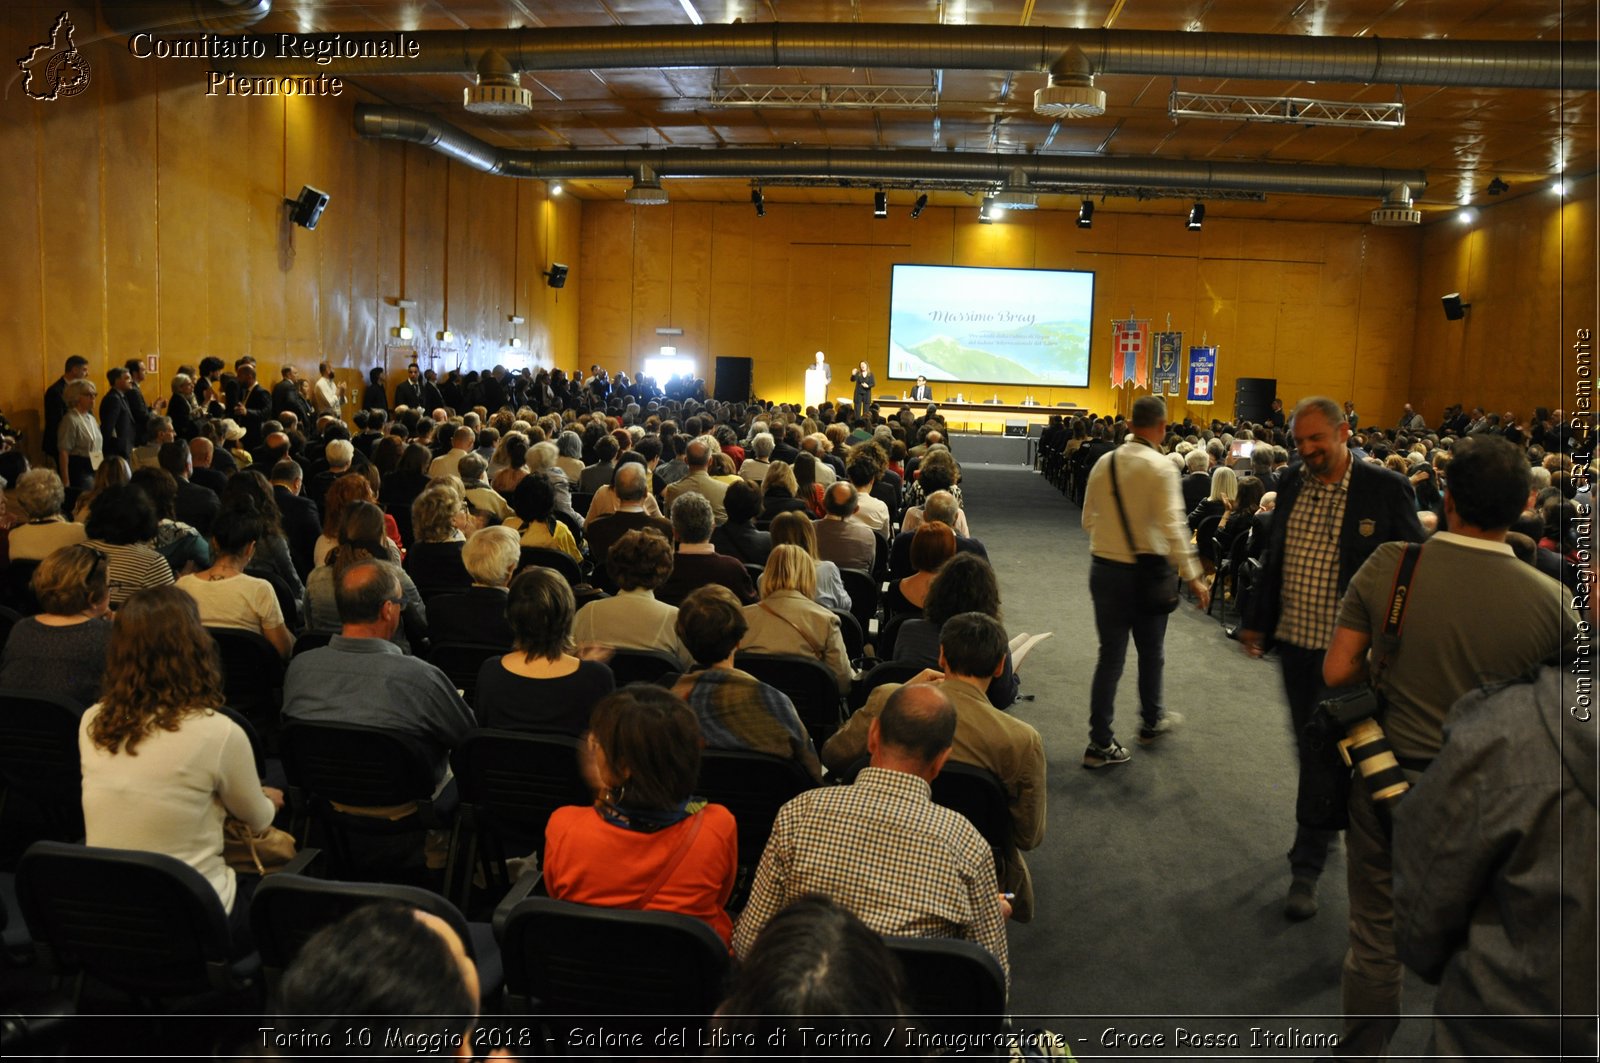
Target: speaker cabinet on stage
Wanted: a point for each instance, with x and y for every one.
(1252, 397)
(733, 380)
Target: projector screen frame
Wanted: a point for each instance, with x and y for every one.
(1088, 372)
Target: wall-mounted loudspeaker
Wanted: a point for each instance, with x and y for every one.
(732, 380)
(556, 275)
(306, 210)
(1454, 308)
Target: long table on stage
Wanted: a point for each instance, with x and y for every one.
(983, 417)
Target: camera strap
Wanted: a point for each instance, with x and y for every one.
(1387, 643)
(1117, 496)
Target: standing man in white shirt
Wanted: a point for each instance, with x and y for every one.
(1148, 486)
(327, 395)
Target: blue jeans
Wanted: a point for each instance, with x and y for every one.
(1115, 590)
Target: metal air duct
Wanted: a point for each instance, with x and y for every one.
(1247, 56)
(499, 90)
(397, 123)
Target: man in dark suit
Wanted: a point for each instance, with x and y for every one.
(116, 419)
(920, 391)
(135, 400)
(492, 388)
(408, 392)
(286, 396)
(630, 487)
(201, 451)
(302, 524)
(787, 448)
(1330, 516)
(55, 406)
(1196, 479)
(195, 506)
(254, 405)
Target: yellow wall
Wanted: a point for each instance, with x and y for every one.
(144, 217)
(1321, 307)
(1528, 269)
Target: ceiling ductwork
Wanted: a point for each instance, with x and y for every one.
(499, 90)
(647, 166)
(209, 16)
(1397, 211)
(646, 190)
(1244, 56)
(1014, 195)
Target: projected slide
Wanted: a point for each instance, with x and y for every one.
(967, 324)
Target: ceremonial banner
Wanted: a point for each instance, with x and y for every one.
(1167, 379)
(1130, 353)
(1202, 375)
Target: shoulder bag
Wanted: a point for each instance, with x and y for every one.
(1157, 590)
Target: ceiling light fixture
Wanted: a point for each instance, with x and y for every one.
(1197, 217)
(498, 91)
(880, 204)
(646, 190)
(1086, 214)
(688, 9)
(759, 202)
(1559, 188)
(555, 188)
(1014, 195)
(919, 205)
(1467, 216)
(987, 211)
(1397, 210)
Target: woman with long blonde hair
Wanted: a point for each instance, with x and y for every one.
(162, 767)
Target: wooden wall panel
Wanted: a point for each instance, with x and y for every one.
(1527, 267)
(151, 222)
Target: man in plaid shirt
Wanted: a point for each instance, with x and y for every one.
(1333, 511)
(880, 846)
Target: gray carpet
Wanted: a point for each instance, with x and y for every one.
(1161, 881)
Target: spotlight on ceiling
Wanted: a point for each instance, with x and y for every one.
(880, 204)
(988, 211)
(1197, 217)
(1467, 216)
(1559, 188)
(759, 202)
(917, 207)
(1085, 214)
(555, 188)
(646, 190)
(1498, 186)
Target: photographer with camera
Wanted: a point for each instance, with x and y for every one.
(1430, 644)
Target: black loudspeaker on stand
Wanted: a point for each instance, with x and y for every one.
(1252, 397)
(733, 380)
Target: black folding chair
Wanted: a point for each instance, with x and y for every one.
(252, 674)
(146, 924)
(547, 558)
(956, 986)
(979, 796)
(460, 661)
(753, 786)
(510, 782)
(336, 768)
(311, 640)
(16, 587)
(288, 909)
(561, 963)
(863, 590)
(39, 758)
(810, 684)
(641, 666)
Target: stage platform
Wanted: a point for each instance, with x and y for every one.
(993, 449)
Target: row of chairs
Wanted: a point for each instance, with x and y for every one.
(152, 928)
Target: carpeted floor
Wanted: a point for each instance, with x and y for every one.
(1160, 882)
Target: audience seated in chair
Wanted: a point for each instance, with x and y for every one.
(478, 614)
(941, 506)
(631, 489)
(639, 562)
(780, 492)
(797, 529)
(361, 538)
(646, 842)
(351, 487)
(697, 563)
(41, 496)
(932, 544)
(122, 524)
(540, 685)
(225, 596)
(440, 524)
(62, 650)
(788, 621)
(841, 539)
(161, 766)
(736, 710)
(964, 583)
(362, 678)
(972, 655)
(880, 846)
(739, 538)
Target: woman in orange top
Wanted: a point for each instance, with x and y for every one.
(646, 843)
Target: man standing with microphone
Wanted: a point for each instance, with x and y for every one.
(818, 376)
